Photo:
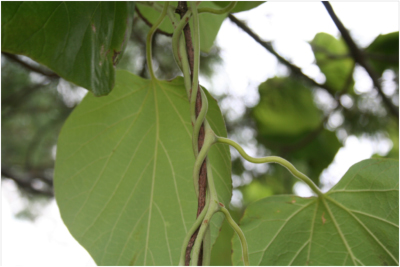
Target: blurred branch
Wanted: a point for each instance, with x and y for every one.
(26, 184)
(30, 67)
(268, 46)
(360, 59)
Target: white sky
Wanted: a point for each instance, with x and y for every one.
(47, 242)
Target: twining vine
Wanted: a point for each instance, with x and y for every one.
(196, 247)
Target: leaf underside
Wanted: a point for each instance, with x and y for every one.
(123, 177)
(356, 223)
(80, 41)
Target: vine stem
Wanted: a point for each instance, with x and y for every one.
(272, 159)
(208, 141)
(194, 91)
(207, 247)
(198, 240)
(176, 37)
(203, 228)
(150, 37)
(239, 232)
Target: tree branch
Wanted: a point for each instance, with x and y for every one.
(36, 69)
(26, 183)
(268, 46)
(360, 58)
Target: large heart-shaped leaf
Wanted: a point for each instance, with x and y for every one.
(355, 223)
(80, 41)
(209, 23)
(123, 177)
(334, 60)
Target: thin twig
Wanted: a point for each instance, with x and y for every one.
(268, 46)
(360, 59)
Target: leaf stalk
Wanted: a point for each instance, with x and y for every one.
(150, 38)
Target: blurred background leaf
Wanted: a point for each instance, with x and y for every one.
(333, 58)
(384, 51)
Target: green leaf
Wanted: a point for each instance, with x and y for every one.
(80, 41)
(209, 23)
(355, 223)
(286, 109)
(240, 5)
(332, 56)
(123, 176)
(384, 52)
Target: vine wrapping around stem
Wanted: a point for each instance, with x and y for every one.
(190, 233)
(212, 209)
(192, 88)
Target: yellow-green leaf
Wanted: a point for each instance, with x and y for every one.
(355, 223)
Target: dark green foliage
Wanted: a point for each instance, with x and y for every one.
(80, 41)
(383, 52)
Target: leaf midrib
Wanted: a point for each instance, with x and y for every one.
(154, 171)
